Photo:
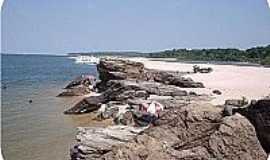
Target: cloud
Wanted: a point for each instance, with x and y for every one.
(268, 1)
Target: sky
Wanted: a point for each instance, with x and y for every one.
(63, 26)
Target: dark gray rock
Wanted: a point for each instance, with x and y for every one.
(85, 80)
(228, 110)
(80, 86)
(259, 115)
(217, 92)
(236, 102)
(87, 105)
(198, 69)
(75, 91)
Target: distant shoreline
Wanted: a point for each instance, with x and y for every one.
(235, 63)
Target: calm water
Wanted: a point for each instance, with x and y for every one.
(40, 130)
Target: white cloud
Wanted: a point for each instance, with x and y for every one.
(268, 1)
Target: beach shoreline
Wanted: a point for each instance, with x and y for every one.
(235, 82)
(152, 103)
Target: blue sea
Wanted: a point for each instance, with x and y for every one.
(38, 130)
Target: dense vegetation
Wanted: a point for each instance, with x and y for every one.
(259, 55)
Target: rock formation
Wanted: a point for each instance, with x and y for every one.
(79, 86)
(187, 127)
(259, 115)
(122, 80)
(189, 132)
(117, 69)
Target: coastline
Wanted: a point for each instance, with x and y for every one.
(157, 103)
(233, 81)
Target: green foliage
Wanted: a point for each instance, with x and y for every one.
(256, 55)
(266, 61)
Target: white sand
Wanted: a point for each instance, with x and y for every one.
(233, 81)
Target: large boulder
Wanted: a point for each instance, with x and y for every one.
(96, 141)
(189, 132)
(87, 105)
(259, 115)
(116, 69)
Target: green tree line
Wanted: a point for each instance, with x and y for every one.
(259, 55)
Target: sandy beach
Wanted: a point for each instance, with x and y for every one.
(233, 81)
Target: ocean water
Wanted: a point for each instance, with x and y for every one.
(38, 130)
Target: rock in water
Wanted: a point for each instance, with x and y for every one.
(75, 91)
(87, 105)
(79, 86)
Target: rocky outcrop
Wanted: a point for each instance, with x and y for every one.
(117, 69)
(172, 78)
(236, 102)
(96, 141)
(85, 80)
(189, 132)
(76, 91)
(123, 91)
(122, 80)
(258, 114)
(81, 85)
(87, 105)
(182, 126)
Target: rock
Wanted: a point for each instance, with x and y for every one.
(113, 110)
(236, 102)
(87, 105)
(197, 69)
(217, 92)
(84, 80)
(193, 132)
(117, 69)
(144, 119)
(228, 110)
(76, 91)
(173, 78)
(125, 90)
(80, 86)
(93, 142)
(125, 118)
(185, 83)
(259, 115)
